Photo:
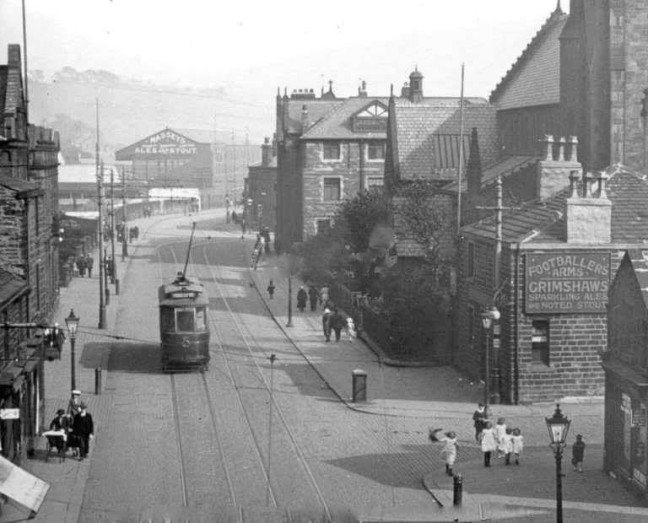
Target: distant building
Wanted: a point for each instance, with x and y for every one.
(189, 159)
(328, 149)
(29, 248)
(260, 199)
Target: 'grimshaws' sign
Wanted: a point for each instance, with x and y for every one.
(567, 282)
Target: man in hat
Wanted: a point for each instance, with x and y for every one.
(74, 406)
(61, 424)
(83, 428)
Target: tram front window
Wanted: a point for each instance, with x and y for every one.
(200, 319)
(185, 320)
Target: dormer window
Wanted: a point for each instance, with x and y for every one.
(373, 118)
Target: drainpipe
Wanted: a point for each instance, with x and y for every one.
(362, 147)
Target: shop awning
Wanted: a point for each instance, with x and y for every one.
(22, 487)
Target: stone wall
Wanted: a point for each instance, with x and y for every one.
(353, 170)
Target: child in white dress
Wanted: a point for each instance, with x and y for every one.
(518, 444)
(500, 432)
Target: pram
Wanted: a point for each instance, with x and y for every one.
(56, 443)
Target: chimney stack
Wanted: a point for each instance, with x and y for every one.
(589, 216)
(304, 118)
(362, 90)
(266, 153)
(555, 169)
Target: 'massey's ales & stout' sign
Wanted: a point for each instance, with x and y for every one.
(567, 282)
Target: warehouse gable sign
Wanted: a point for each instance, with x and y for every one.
(166, 142)
(567, 283)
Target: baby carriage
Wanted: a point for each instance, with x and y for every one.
(56, 443)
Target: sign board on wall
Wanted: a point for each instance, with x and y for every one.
(560, 283)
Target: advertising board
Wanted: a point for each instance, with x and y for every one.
(567, 282)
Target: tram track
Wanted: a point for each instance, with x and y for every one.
(237, 379)
(252, 349)
(197, 383)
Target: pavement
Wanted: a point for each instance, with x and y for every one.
(392, 390)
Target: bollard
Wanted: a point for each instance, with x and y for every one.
(359, 379)
(457, 489)
(98, 381)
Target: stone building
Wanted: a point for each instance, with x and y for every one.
(546, 267)
(424, 143)
(328, 149)
(28, 256)
(625, 363)
(583, 74)
(260, 189)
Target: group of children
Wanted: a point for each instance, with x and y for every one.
(507, 442)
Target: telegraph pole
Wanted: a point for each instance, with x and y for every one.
(113, 274)
(461, 151)
(102, 306)
(499, 208)
(125, 229)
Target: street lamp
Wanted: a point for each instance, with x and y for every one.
(558, 426)
(72, 323)
(488, 317)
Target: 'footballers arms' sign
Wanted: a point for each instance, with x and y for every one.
(567, 282)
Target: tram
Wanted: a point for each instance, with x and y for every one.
(184, 329)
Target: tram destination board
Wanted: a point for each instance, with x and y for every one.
(567, 282)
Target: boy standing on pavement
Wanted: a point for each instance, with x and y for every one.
(271, 289)
(479, 417)
(578, 452)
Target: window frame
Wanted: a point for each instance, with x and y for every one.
(371, 146)
(338, 179)
(328, 145)
(323, 230)
(541, 350)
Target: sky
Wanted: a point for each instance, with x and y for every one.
(253, 47)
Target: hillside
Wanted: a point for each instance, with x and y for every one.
(131, 110)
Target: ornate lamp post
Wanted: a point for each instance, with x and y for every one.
(488, 317)
(558, 426)
(72, 323)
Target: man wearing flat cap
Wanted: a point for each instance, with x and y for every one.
(83, 428)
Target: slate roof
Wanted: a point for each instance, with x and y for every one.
(544, 221)
(10, 286)
(317, 110)
(534, 79)
(417, 147)
(337, 123)
(639, 264)
(503, 167)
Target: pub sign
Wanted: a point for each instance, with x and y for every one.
(567, 282)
